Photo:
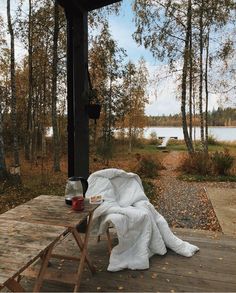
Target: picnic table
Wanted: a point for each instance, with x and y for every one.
(35, 227)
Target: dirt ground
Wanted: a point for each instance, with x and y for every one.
(183, 204)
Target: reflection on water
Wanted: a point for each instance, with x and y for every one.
(220, 133)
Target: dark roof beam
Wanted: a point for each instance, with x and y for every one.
(99, 4)
(84, 6)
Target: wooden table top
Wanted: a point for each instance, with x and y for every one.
(22, 243)
(48, 209)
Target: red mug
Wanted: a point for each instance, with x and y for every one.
(78, 203)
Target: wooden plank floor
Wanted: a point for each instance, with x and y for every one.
(213, 269)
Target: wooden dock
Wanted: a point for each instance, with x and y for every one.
(165, 141)
(212, 269)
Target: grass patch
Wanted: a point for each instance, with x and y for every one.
(222, 146)
(147, 148)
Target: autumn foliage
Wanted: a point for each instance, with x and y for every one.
(218, 163)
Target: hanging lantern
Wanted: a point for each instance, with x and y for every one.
(94, 110)
(94, 107)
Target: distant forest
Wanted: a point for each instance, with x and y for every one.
(219, 117)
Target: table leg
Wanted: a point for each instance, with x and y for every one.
(44, 265)
(84, 257)
(81, 246)
(14, 286)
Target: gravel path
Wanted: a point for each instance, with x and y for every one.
(183, 204)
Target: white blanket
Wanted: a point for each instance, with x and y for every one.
(142, 231)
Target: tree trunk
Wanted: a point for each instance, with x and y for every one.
(110, 110)
(130, 138)
(184, 81)
(194, 114)
(28, 141)
(206, 91)
(56, 142)
(3, 169)
(16, 160)
(201, 75)
(190, 84)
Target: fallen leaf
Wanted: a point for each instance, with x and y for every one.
(154, 275)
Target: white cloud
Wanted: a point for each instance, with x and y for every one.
(164, 94)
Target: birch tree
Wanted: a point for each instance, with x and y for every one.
(16, 160)
(106, 71)
(56, 142)
(135, 98)
(165, 28)
(178, 32)
(3, 168)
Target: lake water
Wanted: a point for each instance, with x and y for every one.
(220, 133)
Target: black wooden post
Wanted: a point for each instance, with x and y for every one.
(77, 82)
(77, 85)
(81, 120)
(70, 95)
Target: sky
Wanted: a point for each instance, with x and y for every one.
(122, 27)
(165, 100)
(162, 98)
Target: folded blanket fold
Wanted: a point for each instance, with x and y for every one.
(141, 230)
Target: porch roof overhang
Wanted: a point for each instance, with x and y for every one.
(85, 5)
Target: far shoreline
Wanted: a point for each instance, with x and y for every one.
(180, 126)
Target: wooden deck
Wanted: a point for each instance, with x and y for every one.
(213, 269)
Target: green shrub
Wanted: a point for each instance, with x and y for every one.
(222, 162)
(148, 167)
(149, 189)
(197, 163)
(105, 150)
(153, 138)
(138, 143)
(212, 140)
